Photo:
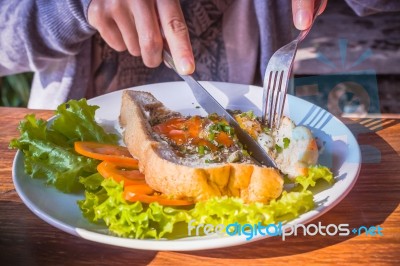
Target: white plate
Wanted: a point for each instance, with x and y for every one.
(341, 152)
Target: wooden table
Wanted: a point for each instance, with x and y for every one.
(27, 240)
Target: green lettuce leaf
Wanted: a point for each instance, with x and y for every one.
(82, 117)
(48, 147)
(95, 194)
(226, 210)
(139, 220)
(315, 173)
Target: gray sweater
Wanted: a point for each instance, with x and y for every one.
(54, 40)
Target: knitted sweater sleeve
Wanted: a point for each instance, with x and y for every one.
(36, 32)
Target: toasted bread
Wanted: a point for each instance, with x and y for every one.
(167, 172)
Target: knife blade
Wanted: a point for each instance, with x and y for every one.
(211, 105)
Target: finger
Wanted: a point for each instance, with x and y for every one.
(302, 13)
(148, 31)
(127, 27)
(176, 34)
(323, 6)
(105, 25)
(112, 36)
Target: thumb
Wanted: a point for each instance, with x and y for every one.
(303, 12)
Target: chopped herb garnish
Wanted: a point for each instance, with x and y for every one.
(229, 130)
(211, 136)
(213, 160)
(266, 130)
(201, 150)
(221, 127)
(249, 114)
(286, 142)
(278, 148)
(245, 153)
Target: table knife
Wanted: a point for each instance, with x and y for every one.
(211, 105)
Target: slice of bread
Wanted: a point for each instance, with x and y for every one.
(178, 177)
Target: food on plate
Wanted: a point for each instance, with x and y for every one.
(115, 193)
(200, 157)
(299, 151)
(293, 148)
(192, 157)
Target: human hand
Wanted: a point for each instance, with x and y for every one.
(303, 12)
(136, 26)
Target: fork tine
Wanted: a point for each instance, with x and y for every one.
(282, 98)
(272, 102)
(277, 100)
(271, 97)
(267, 88)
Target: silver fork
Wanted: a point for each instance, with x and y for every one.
(277, 76)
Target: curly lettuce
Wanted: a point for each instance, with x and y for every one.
(104, 203)
(138, 220)
(314, 174)
(48, 146)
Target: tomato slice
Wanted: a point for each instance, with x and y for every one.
(173, 123)
(173, 129)
(142, 189)
(106, 152)
(129, 196)
(178, 136)
(130, 176)
(224, 139)
(135, 187)
(194, 126)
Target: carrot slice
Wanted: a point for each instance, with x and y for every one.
(129, 196)
(106, 152)
(130, 176)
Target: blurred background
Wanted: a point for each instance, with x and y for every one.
(346, 64)
(14, 90)
(351, 64)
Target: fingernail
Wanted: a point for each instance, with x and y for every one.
(303, 19)
(186, 66)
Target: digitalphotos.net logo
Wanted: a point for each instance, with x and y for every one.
(249, 231)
